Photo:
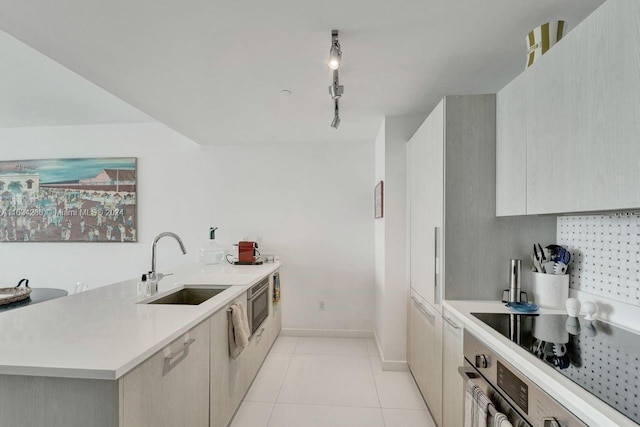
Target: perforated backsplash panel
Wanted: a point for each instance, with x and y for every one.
(607, 365)
(605, 254)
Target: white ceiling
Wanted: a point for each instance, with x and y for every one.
(213, 70)
(37, 91)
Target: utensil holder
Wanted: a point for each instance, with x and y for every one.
(550, 290)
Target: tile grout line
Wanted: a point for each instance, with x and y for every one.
(273, 408)
(384, 424)
(375, 383)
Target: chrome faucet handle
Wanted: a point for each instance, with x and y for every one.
(160, 276)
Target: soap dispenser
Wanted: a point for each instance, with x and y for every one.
(211, 252)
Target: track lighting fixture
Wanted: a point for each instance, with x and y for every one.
(335, 90)
(336, 117)
(335, 54)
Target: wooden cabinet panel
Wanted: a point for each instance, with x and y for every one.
(511, 148)
(425, 349)
(230, 378)
(172, 387)
(452, 383)
(584, 116)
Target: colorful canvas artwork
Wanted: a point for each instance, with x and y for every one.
(68, 200)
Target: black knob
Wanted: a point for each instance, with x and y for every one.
(481, 361)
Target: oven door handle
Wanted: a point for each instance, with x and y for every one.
(468, 373)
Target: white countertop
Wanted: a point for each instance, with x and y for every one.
(103, 333)
(583, 404)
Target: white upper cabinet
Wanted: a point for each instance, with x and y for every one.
(582, 121)
(426, 194)
(511, 148)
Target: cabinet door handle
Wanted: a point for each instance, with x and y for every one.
(178, 355)
(261, 332)
(450, 322)
(422, 308)
(436, 268)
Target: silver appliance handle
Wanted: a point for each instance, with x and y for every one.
(436, 269)
(468, 373)
(422, 308)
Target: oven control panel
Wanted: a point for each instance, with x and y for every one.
(515, 388)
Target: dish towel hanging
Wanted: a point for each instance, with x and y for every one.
(476, 406)
(501, 420)
(238, 329)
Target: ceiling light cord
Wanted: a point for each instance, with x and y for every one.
(335, 90)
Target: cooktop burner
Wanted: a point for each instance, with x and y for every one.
(601, 358)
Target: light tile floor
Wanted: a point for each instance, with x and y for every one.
(330, 382)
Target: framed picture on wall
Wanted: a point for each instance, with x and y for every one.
(68, 200)
(378, 197)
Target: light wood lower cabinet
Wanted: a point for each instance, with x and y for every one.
(172, 387)
(434, 353)
(424, 353)
(231, 378)
(191, 382)
(452, 383)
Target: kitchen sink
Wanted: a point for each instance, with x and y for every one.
(190, 295)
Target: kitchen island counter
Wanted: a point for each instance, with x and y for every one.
(105, 332)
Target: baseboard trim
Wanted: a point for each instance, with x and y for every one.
(389, 365)
(326, 333)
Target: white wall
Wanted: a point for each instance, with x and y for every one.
(391, 246)
(310, 204)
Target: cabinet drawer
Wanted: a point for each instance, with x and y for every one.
(172, 387)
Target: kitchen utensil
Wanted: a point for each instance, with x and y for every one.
(548, 267)
(522, 307)
(538, 255)
(573, 307)
(537, 267)
(560, 268)
(559, 254)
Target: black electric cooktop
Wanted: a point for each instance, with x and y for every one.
(601, 358)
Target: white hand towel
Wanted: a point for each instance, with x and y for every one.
(238, 330)
(475, 406)
(501, 420)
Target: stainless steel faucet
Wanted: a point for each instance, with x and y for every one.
(153, 274)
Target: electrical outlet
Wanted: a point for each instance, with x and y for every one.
(321, 306)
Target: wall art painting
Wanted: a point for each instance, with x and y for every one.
(68, 200)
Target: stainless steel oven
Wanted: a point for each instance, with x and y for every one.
(258, 304)
(509, 391)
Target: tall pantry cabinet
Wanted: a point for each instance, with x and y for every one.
(458, 248)
(444, 144)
